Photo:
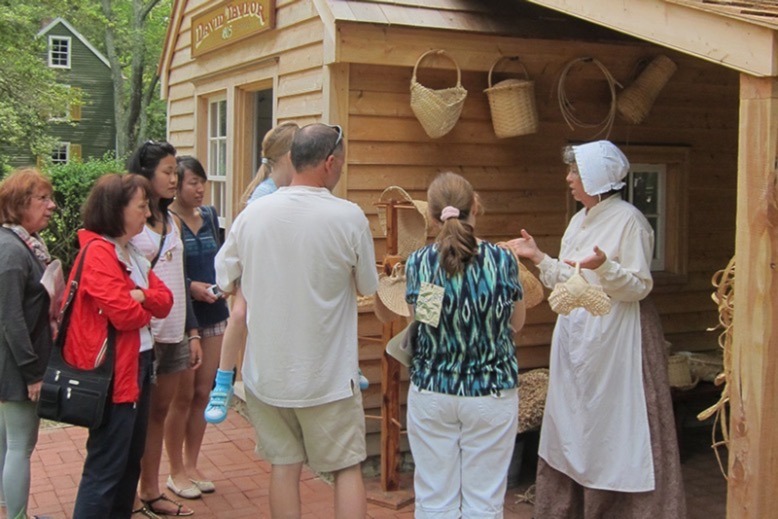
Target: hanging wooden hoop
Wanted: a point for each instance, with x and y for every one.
(566, 106)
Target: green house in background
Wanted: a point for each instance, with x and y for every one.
(88, 130)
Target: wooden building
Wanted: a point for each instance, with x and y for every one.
(87, 130)
(232, 69)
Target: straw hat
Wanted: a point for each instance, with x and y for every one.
(530, 285)
(411, 224)
(390, 296)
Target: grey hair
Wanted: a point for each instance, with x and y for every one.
(568, 155)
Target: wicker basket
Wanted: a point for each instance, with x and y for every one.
(512, 103)
(636, 100)
(437, 110)
(706, 366)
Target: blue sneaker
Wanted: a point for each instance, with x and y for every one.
(219, 401)
(364, 383)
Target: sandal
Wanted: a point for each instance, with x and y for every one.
(180, 512)
(145, 512)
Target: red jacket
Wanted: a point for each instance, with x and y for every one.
(104, 294)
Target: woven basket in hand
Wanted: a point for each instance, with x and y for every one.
(512, 103)
(636, 100)
(576, 292)
(437, 110)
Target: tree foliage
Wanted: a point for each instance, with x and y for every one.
(71, 183)
(29, 93)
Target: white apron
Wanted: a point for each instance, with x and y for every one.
(595, 426)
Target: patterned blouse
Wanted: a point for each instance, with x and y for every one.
(471, 352)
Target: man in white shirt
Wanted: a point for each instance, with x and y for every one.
(300, 272)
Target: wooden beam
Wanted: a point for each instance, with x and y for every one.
(736, 44)
(753, 457)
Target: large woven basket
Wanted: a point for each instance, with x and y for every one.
(512, 103)
(437, 110)
(636, 100)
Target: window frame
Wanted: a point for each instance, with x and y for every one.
(216, 145)
(57, 150)
(69, 41)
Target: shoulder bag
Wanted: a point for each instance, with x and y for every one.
(69, 394)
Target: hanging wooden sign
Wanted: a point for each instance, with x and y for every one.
(229, 22)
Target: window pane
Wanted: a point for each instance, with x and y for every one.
(222, 118)
(222, 158)
(218, 198)
(653, 221)
(645, 192)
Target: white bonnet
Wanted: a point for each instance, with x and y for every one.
(602, 166)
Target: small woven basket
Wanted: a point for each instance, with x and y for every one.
(678, 372)
(437, 110)
(512, 103)
(636, 100)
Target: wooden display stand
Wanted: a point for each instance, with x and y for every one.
(389, 494)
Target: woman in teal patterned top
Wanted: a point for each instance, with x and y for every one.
(463, 401)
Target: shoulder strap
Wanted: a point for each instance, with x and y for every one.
(214, 224)
(106, 367)
(161, 241)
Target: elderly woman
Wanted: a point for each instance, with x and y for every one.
(605, 450)
(26, 205)
(118, 287)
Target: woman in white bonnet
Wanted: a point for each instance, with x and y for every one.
(608, 447)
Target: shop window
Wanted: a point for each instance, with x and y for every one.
(217, 154)
(59, 51)
(61, 153)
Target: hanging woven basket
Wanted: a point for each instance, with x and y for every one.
(437, 110)
(636, 100)
(512, 103)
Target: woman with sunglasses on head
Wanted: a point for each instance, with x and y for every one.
(186, 424)
(176, 338)
(26, 206)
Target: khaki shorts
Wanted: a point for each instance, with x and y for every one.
(328, 437)
(171, 357)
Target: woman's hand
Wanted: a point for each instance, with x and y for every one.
(138, 295)
(591, 262)
(34, 391)
(200, 292)
(195, 352)
(525, 247)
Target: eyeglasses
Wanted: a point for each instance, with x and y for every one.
(43, 198)
(338, 129)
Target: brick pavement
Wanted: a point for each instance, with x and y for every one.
(242, 479)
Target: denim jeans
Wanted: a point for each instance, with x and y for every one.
(113, 452)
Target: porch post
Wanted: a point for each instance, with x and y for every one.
(753, 452)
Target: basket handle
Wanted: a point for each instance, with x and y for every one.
(511, 58)
(439, 52)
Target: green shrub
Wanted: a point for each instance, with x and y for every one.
(72, 182)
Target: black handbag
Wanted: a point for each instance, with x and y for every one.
(69, 394)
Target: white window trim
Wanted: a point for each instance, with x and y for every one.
(224, 205)
(658, 263)
(66, 117)
(70, 51)
(67, 152)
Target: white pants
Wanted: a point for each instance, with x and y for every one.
(462, 447)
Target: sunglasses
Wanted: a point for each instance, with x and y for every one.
(338, 129)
